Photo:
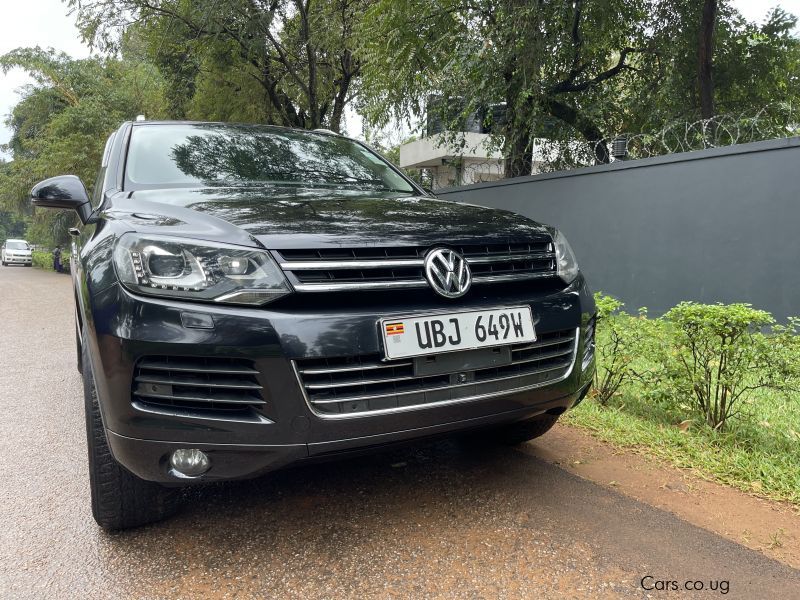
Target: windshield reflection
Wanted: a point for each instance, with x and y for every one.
(229, 155)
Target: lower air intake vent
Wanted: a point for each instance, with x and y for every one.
(197, 383)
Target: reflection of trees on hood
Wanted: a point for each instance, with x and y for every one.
(246, 155)
(320, 211)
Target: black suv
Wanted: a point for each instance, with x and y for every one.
(250, 297)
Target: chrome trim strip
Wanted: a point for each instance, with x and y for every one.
(359, 285)
(546, 356)
(189, 368)
(329, 385)
(241, 385)
(493, 258)
(187, 413)
(412, 283)
(323, 265)
(367, 367)
(544, 344)
(252, 402)
(512, 277)
(398, 409)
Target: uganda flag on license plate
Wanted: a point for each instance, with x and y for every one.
(395, 328)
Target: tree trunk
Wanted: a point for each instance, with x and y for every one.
(705, 56)
(518, 143)
(598, 145)
(520, 156)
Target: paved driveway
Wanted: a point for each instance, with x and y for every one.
(436, 521)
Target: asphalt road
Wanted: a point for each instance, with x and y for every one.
(435, 521)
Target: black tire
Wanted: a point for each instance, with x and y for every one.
(120, 500)
(521, 431)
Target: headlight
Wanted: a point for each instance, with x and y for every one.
(565, 257)
(197, 270)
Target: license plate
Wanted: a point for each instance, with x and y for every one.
(433, 334)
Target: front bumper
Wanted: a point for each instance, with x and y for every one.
(124, 328)
(18, 260)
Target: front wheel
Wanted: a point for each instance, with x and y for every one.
(120, 500)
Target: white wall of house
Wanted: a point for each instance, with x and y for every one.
(475, 161)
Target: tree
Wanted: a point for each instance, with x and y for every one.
(301, 54)
(61, 124)
(546, 61)
(753, 69)
(705, 58)
(575, 70)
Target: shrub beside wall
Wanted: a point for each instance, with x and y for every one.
(714, 358)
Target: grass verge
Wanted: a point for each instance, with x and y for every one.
(760, 454)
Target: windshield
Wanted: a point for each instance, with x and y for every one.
(17, 246)
(175, 155)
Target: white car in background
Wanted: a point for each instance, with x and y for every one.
(16, 252)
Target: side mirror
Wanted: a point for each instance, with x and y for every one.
(64, 191)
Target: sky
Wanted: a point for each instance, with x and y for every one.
(46, 23)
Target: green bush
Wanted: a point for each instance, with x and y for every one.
(718, 357)
(713, 388)
(618, 341)
(43, 260)
(708, 359)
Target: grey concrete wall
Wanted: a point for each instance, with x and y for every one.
(719, 225)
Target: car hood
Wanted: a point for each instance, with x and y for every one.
(284, 218)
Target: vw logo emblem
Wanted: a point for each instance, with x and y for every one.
(447, 272)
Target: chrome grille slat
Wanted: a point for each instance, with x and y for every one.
(510, 277)
(405, 284)
(538, 344)
(336, 391)
(376, 269)
(544, 356)
(366, 367)
(177, 366)
(350, 264)
(230, 384)
(204, 399)
(359, 286)
(477, 260)
(356, 382)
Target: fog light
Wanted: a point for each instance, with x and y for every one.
(190, 462)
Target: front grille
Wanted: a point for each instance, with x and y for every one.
(367, 384)
(343, 269)
(197, 383)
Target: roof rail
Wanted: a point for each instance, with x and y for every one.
(323, 130)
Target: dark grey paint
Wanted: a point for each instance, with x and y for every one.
(717, 225)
